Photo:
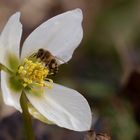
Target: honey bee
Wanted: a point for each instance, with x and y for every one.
(49, 60)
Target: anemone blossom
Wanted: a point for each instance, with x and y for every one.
(47, 101)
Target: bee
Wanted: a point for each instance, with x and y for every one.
(50, 61)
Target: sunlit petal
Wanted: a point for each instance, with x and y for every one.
(10, 97)
(63, 106)
(10, 38)
(38, 115)
(60, 35)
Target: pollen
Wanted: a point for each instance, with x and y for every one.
(34, 73)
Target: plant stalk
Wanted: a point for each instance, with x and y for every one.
(26, 118)
(4, 68)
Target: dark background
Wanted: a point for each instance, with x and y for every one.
(105, 68)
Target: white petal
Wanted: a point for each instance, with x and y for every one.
(60, 35)
(10, 98)
(64, 107)
(38, 115)
(10, 38)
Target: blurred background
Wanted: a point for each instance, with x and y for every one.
(105, 68)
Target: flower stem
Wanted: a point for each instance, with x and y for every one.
(26, 118)
(4, 68)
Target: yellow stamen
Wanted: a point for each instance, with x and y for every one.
(34, 73)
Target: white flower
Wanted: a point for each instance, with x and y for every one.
(59, 105)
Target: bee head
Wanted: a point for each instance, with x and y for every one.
(40, 53)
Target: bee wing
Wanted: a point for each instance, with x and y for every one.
(59, 60)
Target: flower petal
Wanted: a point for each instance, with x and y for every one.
(60, 35)
(10, 38)
(38, 115)
(10, 97)
(64, 107)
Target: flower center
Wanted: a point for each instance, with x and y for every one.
(34, 73)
